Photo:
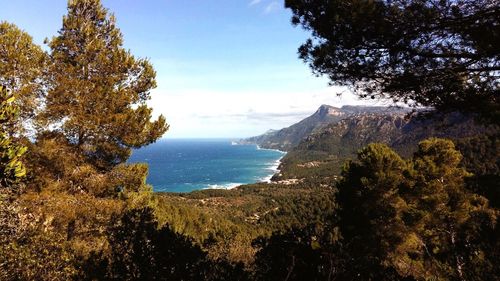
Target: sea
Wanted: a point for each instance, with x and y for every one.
(184, 165)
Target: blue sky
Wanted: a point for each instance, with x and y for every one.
(225, 68)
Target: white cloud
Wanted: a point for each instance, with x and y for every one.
(202, 113)
(219, 99)
(271, 7)
(254, 2)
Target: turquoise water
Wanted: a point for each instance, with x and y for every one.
(187, 165)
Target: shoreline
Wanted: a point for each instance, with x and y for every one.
(267, 179)
(268, 171)
(227, 186)
(274, 167)
(260, 148)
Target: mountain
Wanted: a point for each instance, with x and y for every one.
(320, 144)
(287, 138)
(324, 152)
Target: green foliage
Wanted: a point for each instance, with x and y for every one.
(371, 209)
(38, 256)
(88, 215)
(396, 219)
(22, 65)
(443, 212)
(435, 53)
(412, 216)
(12, 169)
(57, 164)
(43, 235)
(98, 90)
(94, 113)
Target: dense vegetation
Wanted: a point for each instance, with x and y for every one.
(226, 222)
(72, 208)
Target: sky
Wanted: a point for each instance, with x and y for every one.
(225, 68)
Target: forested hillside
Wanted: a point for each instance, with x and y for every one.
(324, 152)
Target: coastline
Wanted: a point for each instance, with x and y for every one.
(227, 186)
(267, 179)
(260, 148)
(218, 167)
(274, 167)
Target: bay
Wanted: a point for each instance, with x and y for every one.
(184, 165)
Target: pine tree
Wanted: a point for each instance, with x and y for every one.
(22, 65)
(371, 210)
(440, 53)
(452, 224)
(98, 90)
(415, 219)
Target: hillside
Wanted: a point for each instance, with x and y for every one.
(324, 152)
(287, 138)
(231, 219)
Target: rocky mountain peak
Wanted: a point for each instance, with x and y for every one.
(325, 110)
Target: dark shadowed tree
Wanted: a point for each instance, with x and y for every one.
(441, 53)
(371, 212)
(139, 250)
(298, 254)
(482, 159)
(98, 90)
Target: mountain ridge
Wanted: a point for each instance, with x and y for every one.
(321, 143)
(289, 137)
(324, 153)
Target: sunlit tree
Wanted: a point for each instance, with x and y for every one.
(22, 66)
(98, 90)
(12, 169)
